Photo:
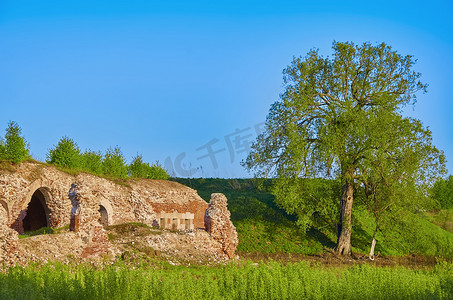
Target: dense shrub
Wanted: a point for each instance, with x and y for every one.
(156, 171)
(15, 148)
(139, 169)
(91, 161)
(442, 192)
(65, 154)
(114, 163)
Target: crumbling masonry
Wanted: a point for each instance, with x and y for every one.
(35, 195)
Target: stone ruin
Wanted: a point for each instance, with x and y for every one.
(36, 195)
(218, 224)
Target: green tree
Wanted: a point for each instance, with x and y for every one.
(442, 192)
(15, 148)
(398, 171)
(65, 154)
(139, 169)
(92, 161)
(156, 171)
(114, 163)
(313, 200)
(327, 122)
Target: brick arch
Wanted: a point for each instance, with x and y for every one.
(35, 212)
(105, 204)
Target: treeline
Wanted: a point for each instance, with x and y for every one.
(67, 154)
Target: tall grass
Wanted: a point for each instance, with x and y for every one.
(249, 281)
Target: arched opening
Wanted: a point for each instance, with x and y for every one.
(37, 212)
(104, 220)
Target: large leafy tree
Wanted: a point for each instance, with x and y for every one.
(333, 119)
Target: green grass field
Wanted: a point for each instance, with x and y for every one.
(247, 281)
(263, 228)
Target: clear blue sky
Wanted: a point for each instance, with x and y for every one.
(172, 79)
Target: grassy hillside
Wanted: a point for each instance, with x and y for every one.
(264, 227)
(261, 225)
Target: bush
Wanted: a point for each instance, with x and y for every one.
(442, 192)
(156, 171)
(137, 168)
(114, 163)
(91, 161)
(140, 169)
(15, 148)
(65, 154)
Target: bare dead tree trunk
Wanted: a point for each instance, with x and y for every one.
(373, 244)
(344, 227)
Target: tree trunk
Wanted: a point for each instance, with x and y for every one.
(344, 227)
(373, 244)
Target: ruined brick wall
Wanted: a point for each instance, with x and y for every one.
(87, 203)
(219, 225)
(134, 201)
(168, 196)
(10, 253)
(17, 188)
(88, 193)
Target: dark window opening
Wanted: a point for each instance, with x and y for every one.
(104, 216)
(36, 217)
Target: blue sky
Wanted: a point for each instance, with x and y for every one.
(173, 79)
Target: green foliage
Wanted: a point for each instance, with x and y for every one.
(114, 163)
(402, 232)
(263, 227)
(92, 161)
(395, 175)
(65, 154)
(156, 171)
(313, 201)
(139, 169)
(230, 281)
(442, 218)
(15, 148)
(2, 149)
(442, 192)
(340, 117)
(414, 233)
